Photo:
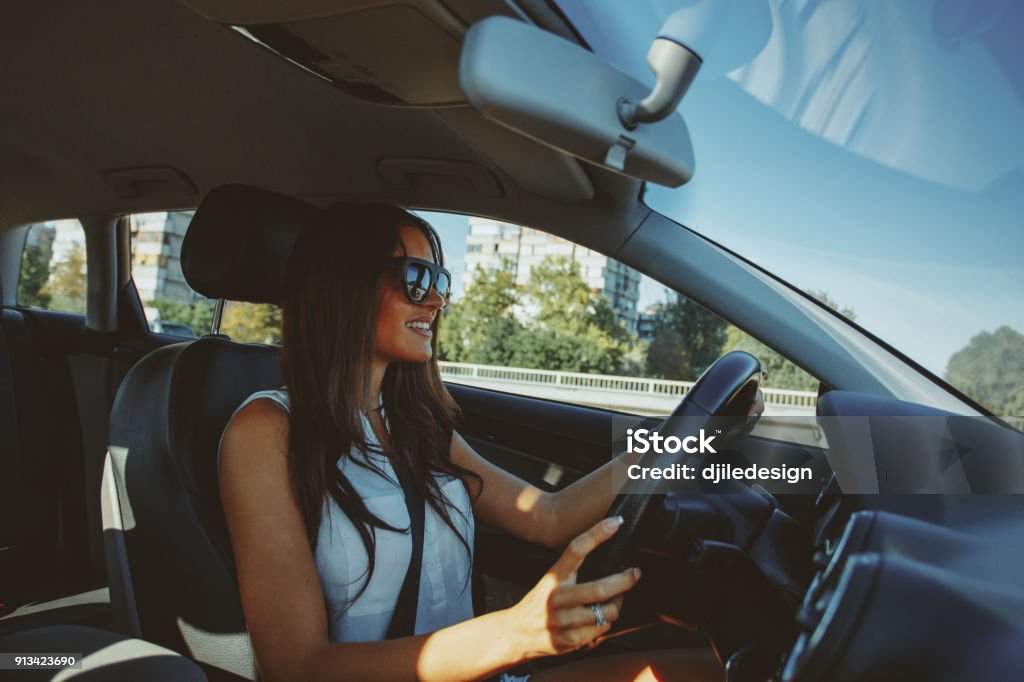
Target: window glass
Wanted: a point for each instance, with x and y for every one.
(905, 203)
(53, 270)
(171, 306)
(535, 314)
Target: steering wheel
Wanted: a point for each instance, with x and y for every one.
(721, 396)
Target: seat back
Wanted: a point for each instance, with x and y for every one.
(165, 427)
(169, 558)
(37, 462)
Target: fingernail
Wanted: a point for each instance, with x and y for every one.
(636, 573)
(612, 523)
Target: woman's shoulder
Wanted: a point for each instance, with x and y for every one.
(261, 409)
(278, 396)
(261, 419)
(257, 423)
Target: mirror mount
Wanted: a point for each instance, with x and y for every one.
(683, 42)
(675, 67)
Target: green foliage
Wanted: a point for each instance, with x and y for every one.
(553, 322)
(591, 352)
(66, 287)
(572, 329)
(481, 328)
(35, 271)
(252, 322)
(558, 294)
(990, 369)
(687, 339)
(634, 364)
(243, 322)
(198, 315)
(782, 373)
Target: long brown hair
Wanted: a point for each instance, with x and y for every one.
(329, 312)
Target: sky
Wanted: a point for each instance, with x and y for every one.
(873, 150)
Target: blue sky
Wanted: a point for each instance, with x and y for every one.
(873, 150)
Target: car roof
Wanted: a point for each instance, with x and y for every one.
(101, 99)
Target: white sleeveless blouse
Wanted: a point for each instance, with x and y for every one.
(445, 594)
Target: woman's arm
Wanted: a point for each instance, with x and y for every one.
(550, 519)
(284, 604)
(527, 512)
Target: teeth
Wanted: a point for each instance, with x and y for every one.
(418, 325)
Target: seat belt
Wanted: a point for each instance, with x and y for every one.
(403, 620)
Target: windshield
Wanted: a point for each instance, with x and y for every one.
(867, 152)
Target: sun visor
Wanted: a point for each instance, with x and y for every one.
(561, 95)
(239, 241)
(403, 53)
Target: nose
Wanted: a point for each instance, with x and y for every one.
(434, 299)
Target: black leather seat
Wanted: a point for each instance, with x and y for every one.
(104, 655)
(36, 458)
(23, 510)
(172, 577)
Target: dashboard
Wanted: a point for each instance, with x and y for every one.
(898, 597)
(924, 586)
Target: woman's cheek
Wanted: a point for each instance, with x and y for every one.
(396, 342)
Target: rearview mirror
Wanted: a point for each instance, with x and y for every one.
(565, 97)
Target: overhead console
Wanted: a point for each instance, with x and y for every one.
(398, 53)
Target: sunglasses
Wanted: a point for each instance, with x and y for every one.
(420, 276)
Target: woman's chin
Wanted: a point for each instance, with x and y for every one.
(418, 355)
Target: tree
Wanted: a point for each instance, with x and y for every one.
(590, 352)
(570, 328)
(558, 295)
(552, 322)
(252, 322)
(481, 328)
(782, 373)
(198, 316)
(66, 287)
(990, 369)
(35, 271)
(634, 363)
(687, 339)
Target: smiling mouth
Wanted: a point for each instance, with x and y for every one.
(420, 328)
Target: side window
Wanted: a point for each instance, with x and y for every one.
(534, 314)
(52, 274)
(171, 306)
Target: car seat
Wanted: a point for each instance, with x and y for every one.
(170, 566)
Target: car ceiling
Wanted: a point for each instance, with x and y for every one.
(95, 89)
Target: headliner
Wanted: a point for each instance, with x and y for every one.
(130, 84)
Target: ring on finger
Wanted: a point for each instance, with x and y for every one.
(598, 615)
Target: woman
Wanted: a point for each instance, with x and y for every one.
(317, 515)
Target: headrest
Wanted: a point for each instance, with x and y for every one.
(239, 241)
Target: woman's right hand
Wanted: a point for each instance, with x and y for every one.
(555, 616)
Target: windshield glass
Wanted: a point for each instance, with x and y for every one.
(870, 152)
